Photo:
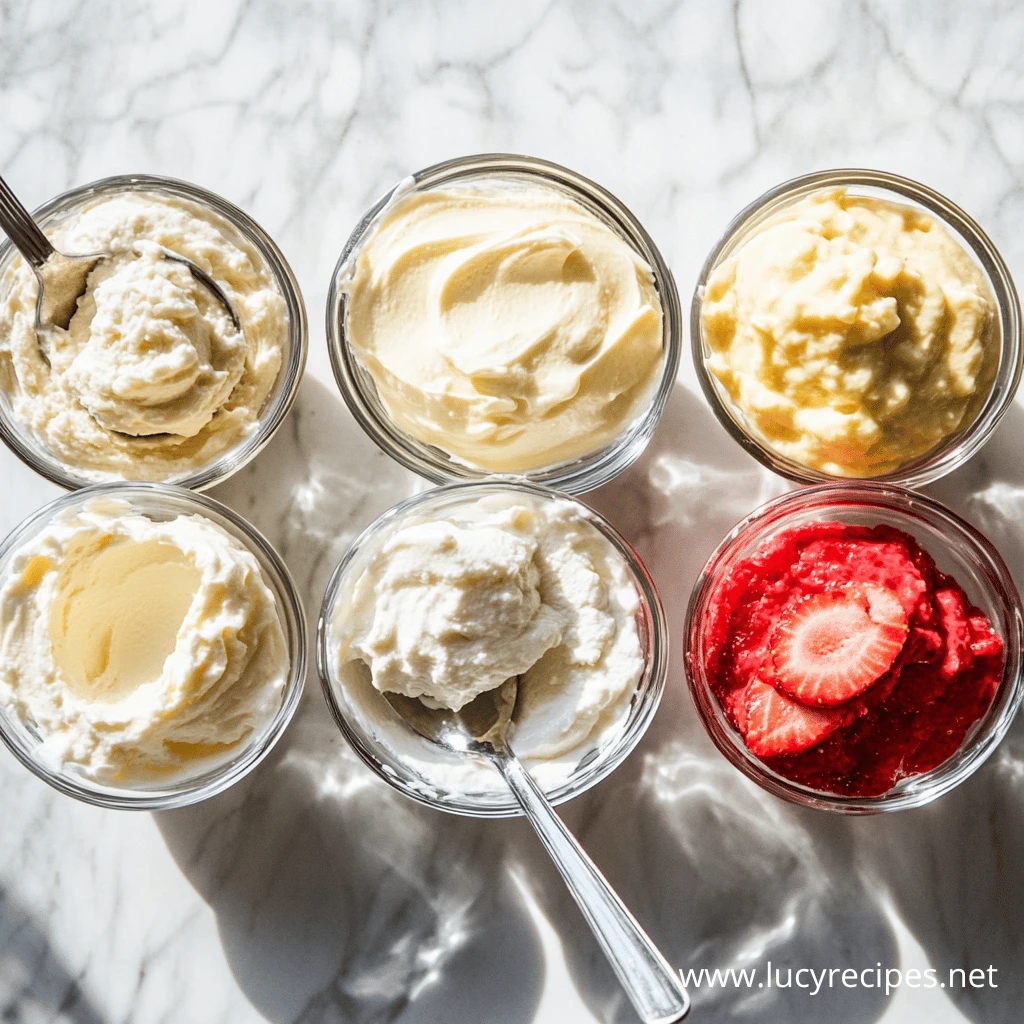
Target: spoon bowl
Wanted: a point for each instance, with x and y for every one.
(479, 727)
(62, 282)
(63, 278)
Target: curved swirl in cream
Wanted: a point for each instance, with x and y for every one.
(508, 326)
(136, 647)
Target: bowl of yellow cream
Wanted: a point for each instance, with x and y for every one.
(152, 646)
(855, 324)
(501, 315)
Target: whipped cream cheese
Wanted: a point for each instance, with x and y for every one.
(855, 334)
(136, 647)
(507, 585)
(505, 324)
(151, 380)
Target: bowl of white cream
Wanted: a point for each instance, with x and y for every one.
(457, 589)
(502, 315)
(152, 380)
(152, 646)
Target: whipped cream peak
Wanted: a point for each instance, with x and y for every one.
(459, 612)
(446, 607)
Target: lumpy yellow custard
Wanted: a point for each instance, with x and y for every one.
(853, 334)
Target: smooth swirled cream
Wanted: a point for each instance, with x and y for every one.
(854, 334)
(138, 648)
(448, 607)
(506, 325)
(152, 380)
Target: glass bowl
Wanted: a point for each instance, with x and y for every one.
(250, 236)
(374, 730)
(162, 502)
(959, 551)
(958, 447)
(573, 476)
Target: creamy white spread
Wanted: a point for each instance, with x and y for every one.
(505, 324)
(445, 609)
(152, 380)
(137, 648)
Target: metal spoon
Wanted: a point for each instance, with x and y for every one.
(62, 277)
(481, 728)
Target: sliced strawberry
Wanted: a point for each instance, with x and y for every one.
(985, 642)
(833, 646)
(959, 656)
(736, 707)
(776, 725)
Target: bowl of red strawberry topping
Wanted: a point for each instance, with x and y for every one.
(855, 648)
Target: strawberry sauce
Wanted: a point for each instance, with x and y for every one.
(908, 719)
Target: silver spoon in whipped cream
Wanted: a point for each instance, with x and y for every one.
(63, 277)
(480, 729)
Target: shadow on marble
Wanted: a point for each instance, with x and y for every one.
(337, 899)
(315, 487)
(35, 985)
(953, 873)
(989, 490)
(722, 874)
(953, 868)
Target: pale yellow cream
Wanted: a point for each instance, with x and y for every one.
(507, 326)
(853, 334)
(116, 615)
(135, 647)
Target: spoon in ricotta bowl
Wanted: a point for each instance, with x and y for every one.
(63, 277)
(480, 728)
(493, 649)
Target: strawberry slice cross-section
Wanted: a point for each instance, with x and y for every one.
(831, 647)
(776, 726)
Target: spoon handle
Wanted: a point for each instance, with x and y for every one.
(655, 990)
(22, 230)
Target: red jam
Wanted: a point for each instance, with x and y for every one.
(768, 626)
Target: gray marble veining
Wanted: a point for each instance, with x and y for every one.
(311, 893)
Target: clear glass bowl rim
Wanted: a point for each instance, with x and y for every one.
(651, 686)
(922, 789)
(955, 450)
(576, 476)
(36, 457)
(219, 777)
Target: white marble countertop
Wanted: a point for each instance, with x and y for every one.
(312, 893)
